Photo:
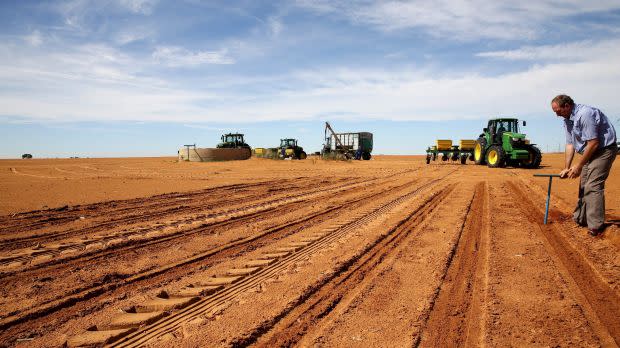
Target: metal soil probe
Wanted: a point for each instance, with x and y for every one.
(551, 176)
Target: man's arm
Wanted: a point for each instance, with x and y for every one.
(591, 146)
(569, 153)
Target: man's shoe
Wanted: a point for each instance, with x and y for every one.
(594, 232)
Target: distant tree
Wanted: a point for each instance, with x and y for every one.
(26, 156)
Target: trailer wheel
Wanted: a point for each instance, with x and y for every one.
(463, 159)
(434, 156)
(428, 159)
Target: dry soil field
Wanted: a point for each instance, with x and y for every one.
(388, 252)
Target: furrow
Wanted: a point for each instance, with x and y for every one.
(213, 302)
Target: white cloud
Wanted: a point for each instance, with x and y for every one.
(321, 6)
(144, 7)
(583, 50)
(457, 19)
(99, 82)
(79, 15)
(354, 94)
(200, 126)
(177, 56)
(275, 26)
(132, 34)
(34, 39)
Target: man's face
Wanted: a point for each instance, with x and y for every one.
(562, 111)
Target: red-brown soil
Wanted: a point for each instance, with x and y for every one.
(388, 252)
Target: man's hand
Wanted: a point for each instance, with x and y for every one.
(574, 171)
(564, 173)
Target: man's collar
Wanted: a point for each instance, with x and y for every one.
(573, 112)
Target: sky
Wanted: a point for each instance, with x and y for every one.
(144, 77)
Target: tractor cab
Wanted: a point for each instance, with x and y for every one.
(232, 140)
(288, 143)
(496, 129)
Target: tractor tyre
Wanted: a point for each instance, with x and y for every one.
(496, 157)
(428, 159)
(303, 155)
(480, 151)
(366, 156)
(535, 158)
(463, 159)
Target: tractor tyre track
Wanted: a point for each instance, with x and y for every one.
(144, 210)
(33, 219)
(160, 274)
(212, 303)
(134, 236)
(456, 318)
(291, 325)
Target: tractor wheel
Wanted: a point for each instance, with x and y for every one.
(366, 156)
(479, 150)
(534, 160)
(496, 157)
(463, 159)
(428, 159)
(302, 155)
(444, 157)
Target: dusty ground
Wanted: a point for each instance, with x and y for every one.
(388, 252)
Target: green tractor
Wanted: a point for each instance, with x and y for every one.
(289, 149)
(501, 144)
(232, 141)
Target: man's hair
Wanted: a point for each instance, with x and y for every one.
(562, 100)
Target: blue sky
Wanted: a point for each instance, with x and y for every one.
(142, 78)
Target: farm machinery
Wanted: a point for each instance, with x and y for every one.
(345, 146)
(502, 144)
(447, 151)
(288, 149)
(232, 141)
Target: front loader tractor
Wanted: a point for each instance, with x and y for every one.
(501, 144)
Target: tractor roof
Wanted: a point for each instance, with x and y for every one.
(504, 119)
(233, 134)
(286, 139)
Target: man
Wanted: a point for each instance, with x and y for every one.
(588, 132)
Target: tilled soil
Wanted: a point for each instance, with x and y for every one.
(388, 252)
